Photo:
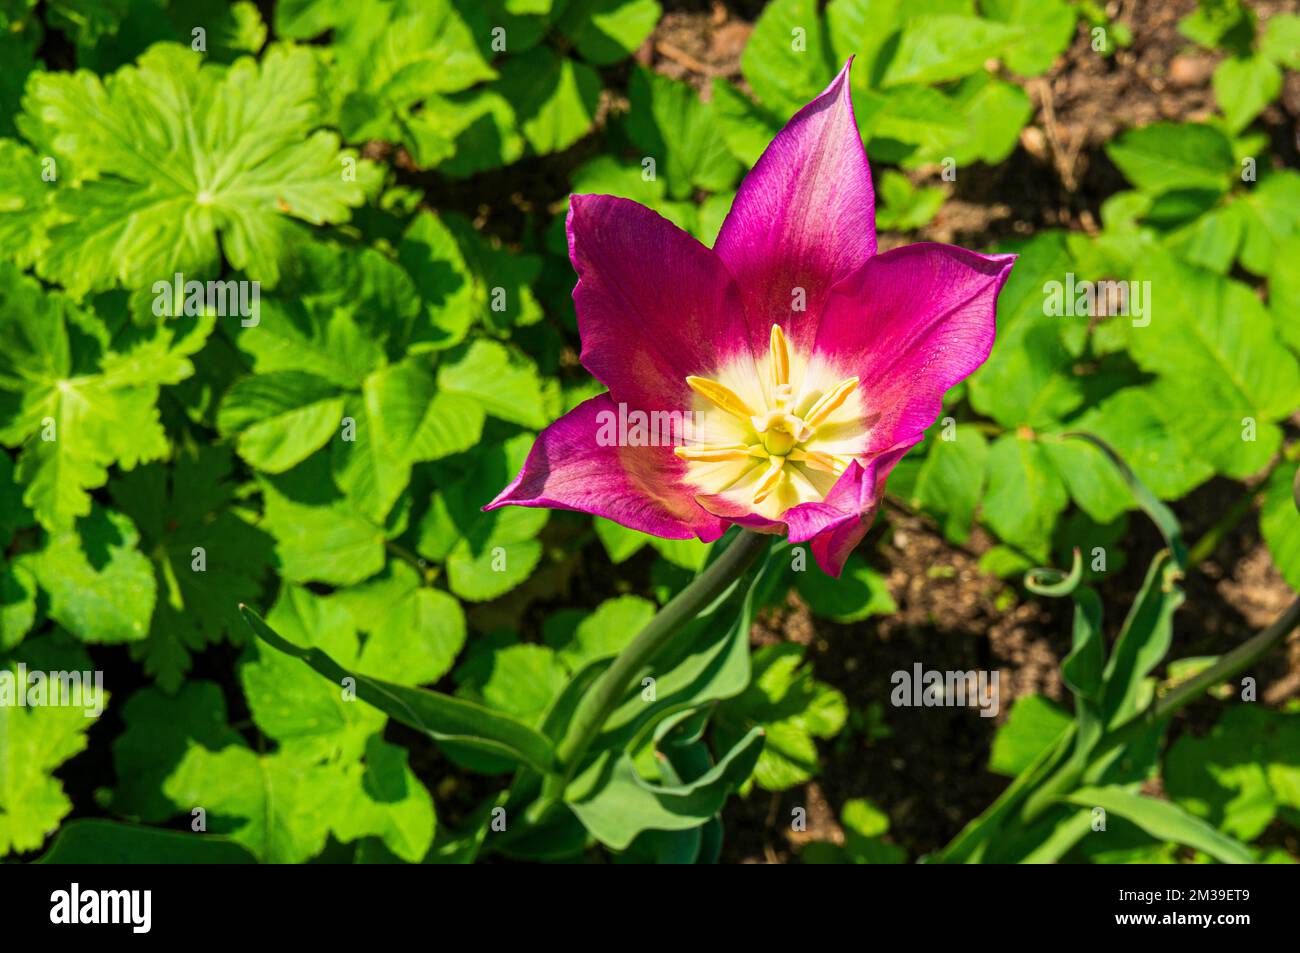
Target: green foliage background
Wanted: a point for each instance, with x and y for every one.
(305, 148)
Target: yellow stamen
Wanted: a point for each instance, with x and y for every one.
(780, 358)
(769, 481)
(830, 402)
(714, 453)
(818, 460)
(721, 395)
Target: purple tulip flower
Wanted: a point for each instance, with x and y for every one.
(805, 364)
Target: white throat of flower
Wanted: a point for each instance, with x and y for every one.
(776, 432)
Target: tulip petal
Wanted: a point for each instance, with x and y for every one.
(836, 525)
(804, 217)
(571, 468)
(654, 305)
(911, 323)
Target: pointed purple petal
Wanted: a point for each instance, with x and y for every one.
(912, 323)
(654, 305)
(639, 487)
(804, 217)
(836, 525)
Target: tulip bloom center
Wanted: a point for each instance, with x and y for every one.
(777, 432)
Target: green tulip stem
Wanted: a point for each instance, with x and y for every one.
(606, 694)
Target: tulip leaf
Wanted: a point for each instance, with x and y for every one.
(1164, 821)
(94, 841)
(441, 717)
(616, 804)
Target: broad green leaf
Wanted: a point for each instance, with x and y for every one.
(1284, 291)
(605, 632)
(486, 554)
(620, 542)
(859, 593)
(505, 384)
(23, 199)
(292, 705)
(281, 418)
(903, 206)
(279, 806)
(1228, 23)
(1164, 821)
(992, 113)
(1224, 776)
(523, 681)
(316, 338)
(1279, 523)
(388, 801)
(1147, 429)
(866, 30)
(1090, 477)
(606, 31)
(414, 632)
(1213, 342)
(554, 98)
(398, 55)
(207, 558)
(484, 132)
(936, 48)
(687, 553)
(17, 604)
(101, 587)
(1271, 216)
(864, 826)
(501, 278)
(792, 707)
(160, 729)
(1025, 494)
(319, 535)
(1048, 25)
(745, 126)
(785, 61)
(158, 188)
(374, 467)
(34, 741)
(1027, 379)
(1243, 86)
(429, 252)
(1280, 40)
(950, 479)
(1168, 155)
(673, 127)
(75, 406)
